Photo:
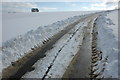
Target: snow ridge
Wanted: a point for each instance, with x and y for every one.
(107, 26)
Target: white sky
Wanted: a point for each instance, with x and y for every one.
(59, 0)
(51, 6)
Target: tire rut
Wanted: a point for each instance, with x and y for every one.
(95, 71)
(78, 67)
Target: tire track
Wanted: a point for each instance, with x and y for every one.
(78, 67)
(95, 71)
(84, 64)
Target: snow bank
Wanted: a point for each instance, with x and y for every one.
(107, 27)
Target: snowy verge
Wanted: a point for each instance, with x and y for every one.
(107, 27)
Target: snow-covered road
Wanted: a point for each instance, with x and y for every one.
(53, 50)
(77, 48)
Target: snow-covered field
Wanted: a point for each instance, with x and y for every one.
(107, 27)
(15, 24)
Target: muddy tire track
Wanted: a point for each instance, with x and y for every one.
(95, 71)
(95, 55)
(79, 66)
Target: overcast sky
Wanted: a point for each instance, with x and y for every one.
(58, 5)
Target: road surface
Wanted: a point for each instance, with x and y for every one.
(80, 65)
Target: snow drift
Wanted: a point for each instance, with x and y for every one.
(107, 27)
